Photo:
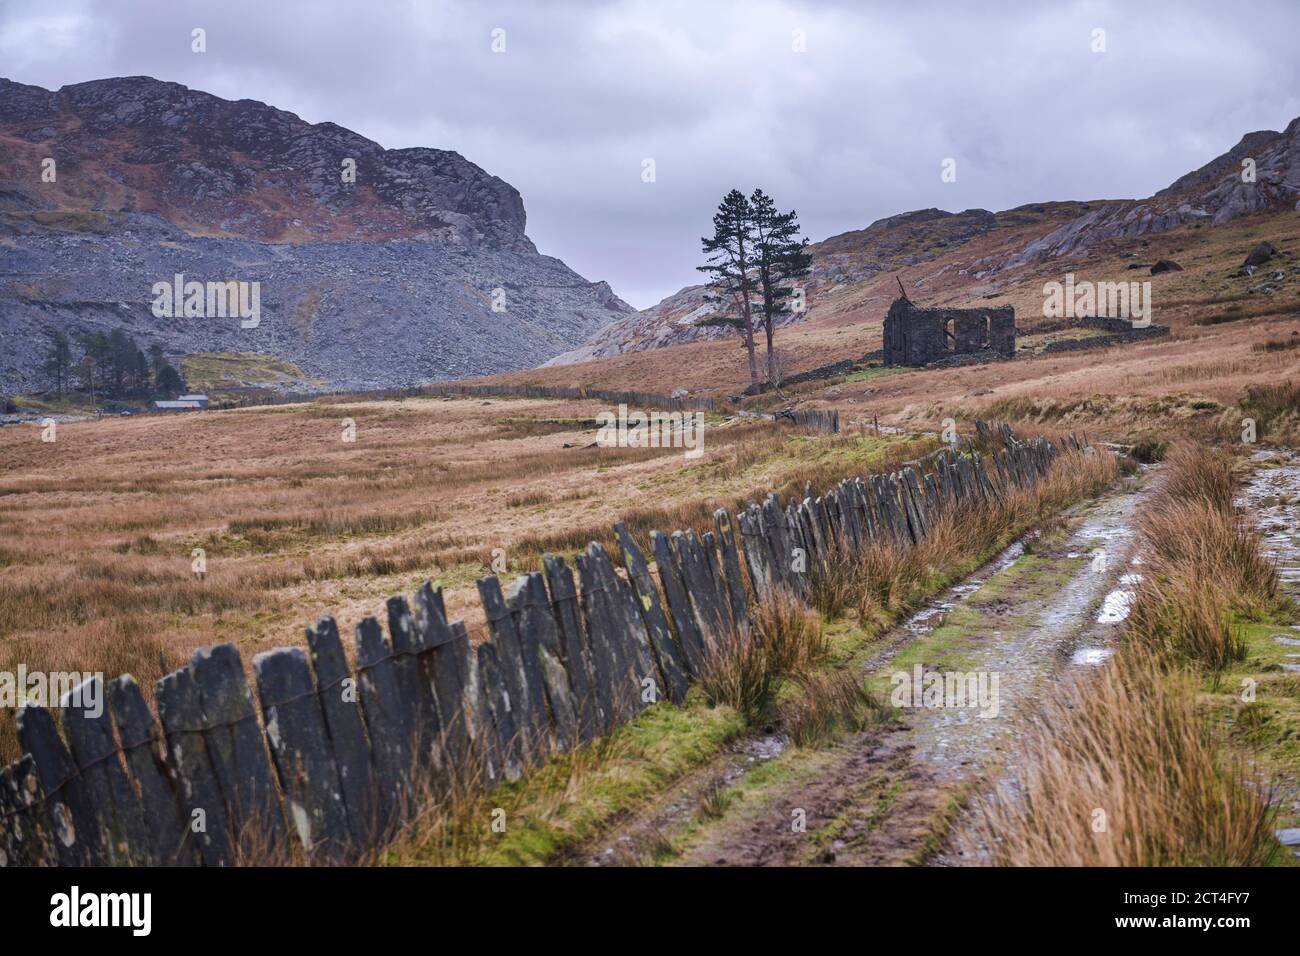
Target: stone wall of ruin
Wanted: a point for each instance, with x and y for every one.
(916, 336)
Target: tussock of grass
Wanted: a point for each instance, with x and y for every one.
(1214, 543)
(1124, 767)
(1276, 407)
(714, 801)
(1196, 473)
(1203, 566)
(828, 703)
(1121, 769)
(1181, 615)
(747, 673)
(1149, 451)
(887, 577)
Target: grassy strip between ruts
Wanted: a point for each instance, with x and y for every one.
(576, 796)
(1256, 702)
(872, 799)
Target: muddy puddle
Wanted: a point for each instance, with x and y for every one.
(1096, 646)
(934, 614)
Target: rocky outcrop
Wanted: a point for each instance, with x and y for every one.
(1216, 193)
(682, 317)
(240, 169)
(1260, 254)
(417, 271)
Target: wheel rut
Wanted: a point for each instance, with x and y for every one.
(892, 794)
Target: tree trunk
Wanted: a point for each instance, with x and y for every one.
(771, 358)
(749, 343)
(766, 282)
(747, 312)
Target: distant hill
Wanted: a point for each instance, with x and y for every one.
(389, 280)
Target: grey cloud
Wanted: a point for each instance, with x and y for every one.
(852, 130)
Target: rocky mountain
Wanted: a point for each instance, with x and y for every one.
(1216, 193)
(1023, 237)
(375, 267)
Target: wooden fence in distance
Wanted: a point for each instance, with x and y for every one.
(326, 759)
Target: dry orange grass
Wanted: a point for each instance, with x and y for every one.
(1121, 769)
(1204, 565)
(1196, 474)
(747, 671)
(889, 577)
(1122, 766)
(98, 530)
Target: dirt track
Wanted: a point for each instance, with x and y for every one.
(892, 795)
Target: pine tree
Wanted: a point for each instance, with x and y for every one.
(98, 358)
(779, 256)
(730, 258)
(140, 373)
(121, 359)
(59, 360)
(168, 381)
(87, 369)
(156, 358)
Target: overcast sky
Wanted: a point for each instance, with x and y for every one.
(854, 127)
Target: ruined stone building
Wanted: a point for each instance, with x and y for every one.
(917, 336)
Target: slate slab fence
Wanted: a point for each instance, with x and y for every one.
(822, 420)
(319, 760)
(827, 421)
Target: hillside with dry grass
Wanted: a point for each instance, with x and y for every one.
(1226, 334)
(100, 526)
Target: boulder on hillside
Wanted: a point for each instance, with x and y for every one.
(1165, 265)
(1260, 254)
